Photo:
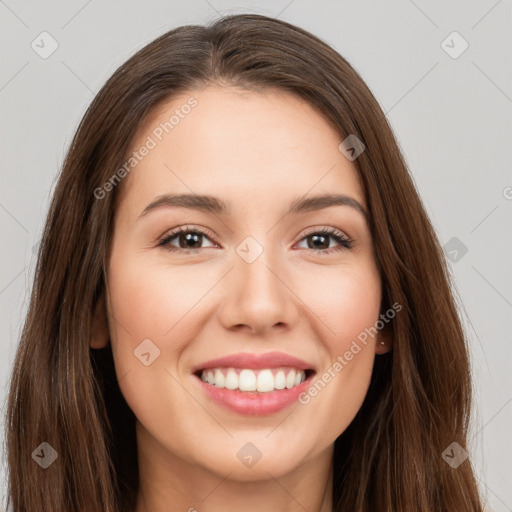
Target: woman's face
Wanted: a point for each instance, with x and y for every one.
(254, 279)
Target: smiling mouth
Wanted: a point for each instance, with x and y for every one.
(246, 380)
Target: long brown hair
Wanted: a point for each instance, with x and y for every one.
(67, 395)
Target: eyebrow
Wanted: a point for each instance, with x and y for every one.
(217, 206)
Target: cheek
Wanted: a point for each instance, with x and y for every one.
(153, 301)
(156, 310)
(346, 300)
(348, 303)
(357, 308)
(151, 322)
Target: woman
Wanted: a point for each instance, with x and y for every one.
(190, 342)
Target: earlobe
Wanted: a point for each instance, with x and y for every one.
(100, 333)
(384, 341)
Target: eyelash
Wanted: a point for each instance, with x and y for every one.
(336, 235)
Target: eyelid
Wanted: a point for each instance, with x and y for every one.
(319, 228)
(176, 231)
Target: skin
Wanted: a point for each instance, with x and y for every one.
(259, 151)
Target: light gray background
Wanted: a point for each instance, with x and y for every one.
(451, 116)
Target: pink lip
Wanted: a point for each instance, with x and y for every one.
(255, 361)
(254, 403)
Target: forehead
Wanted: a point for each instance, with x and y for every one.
(226, 141)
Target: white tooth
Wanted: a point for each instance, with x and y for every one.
(231, 381)
(265, 381)
(280, 380)
(219, 379)
(290, 379)
(247, 380)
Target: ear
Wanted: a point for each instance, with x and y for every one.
(100, 333)
(384, 340)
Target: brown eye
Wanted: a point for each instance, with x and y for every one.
(188, 240)
(319, 241)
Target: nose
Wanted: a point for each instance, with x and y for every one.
(258, 298)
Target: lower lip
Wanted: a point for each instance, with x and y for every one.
(254, 403)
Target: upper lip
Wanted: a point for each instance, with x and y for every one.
(255, 361)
